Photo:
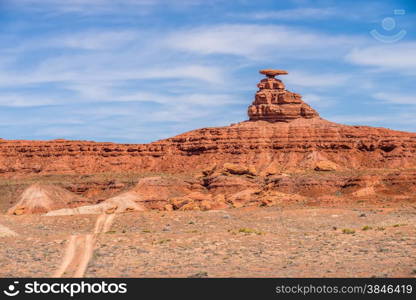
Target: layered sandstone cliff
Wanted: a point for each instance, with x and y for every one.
(274, 103)
(282, 130)
(285, 154)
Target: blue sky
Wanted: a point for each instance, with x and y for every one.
(136, 71)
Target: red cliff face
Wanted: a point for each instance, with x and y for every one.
(285, 154)
(297, 144)
(282, 130)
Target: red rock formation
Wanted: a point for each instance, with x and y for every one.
(271, 159)
(289, 144)
(124, 202)
(274, 103)
(40, 198)
(283, 131)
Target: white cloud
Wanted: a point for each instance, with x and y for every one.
(260, 41)
(80, 6)
(293, 14)
(391, 58)
(123, 55)
(97, 40)
(93, 40)
(49, 73)
(206, 73)
(357, 119)
(97, 7)
(24, 100)
(198, 99)
(107, 94)
(396, 119)
(318, 101)
(316, 79)
(396, 98)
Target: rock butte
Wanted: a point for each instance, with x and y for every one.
(282, 129)
(284, 153)
(274, 103)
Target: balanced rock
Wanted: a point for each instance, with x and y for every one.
(274, 103)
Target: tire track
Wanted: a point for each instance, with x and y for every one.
(68, 257)
(80, 249)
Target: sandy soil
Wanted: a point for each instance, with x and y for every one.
(80, 249)
(247, 242)
(4, 231)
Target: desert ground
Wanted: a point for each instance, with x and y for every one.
(298, 241)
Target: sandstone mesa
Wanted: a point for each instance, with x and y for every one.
(249, 161)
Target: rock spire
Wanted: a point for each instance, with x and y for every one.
(274, 103)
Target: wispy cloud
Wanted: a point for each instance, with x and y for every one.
(403, 121)
(210, 100)
(396, 98)
(316, 79)
(303, 13)
(27, 100)
(73, 74)
(318, 100)
(92, 40)
(261, 42)
(100, 55)
(89, 7)
(398, 57)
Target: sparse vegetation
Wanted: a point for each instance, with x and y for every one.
(199, 275)
(366, 227)
(348, 231)
(250, 231)
(164, 241)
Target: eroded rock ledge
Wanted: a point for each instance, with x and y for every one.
(274, 103)
(282, 129)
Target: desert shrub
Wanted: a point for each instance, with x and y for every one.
(249, 231)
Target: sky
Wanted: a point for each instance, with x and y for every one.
(136, 71)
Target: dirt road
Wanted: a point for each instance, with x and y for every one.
(80, 249)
